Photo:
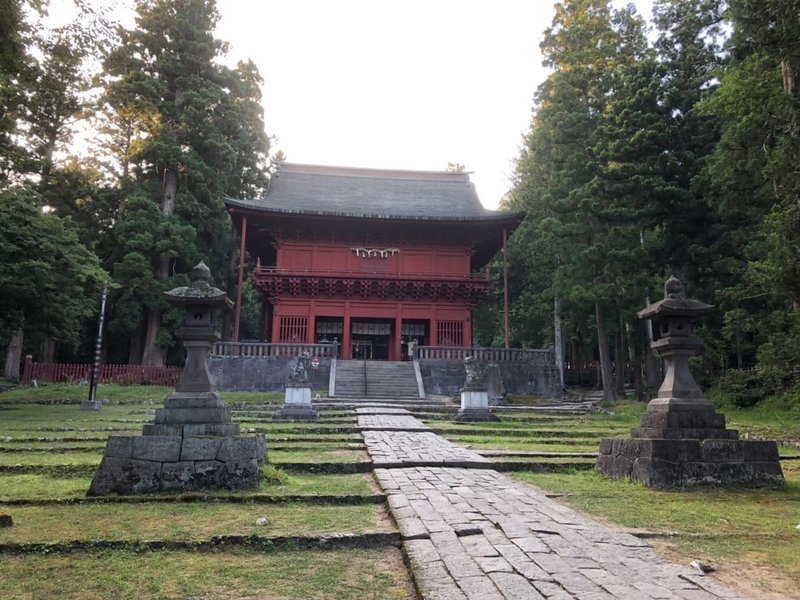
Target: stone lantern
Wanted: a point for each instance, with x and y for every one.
(195, 407)
(682, 440)
(192, 443)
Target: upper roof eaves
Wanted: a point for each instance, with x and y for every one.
(373, 193)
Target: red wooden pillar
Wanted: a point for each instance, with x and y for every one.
(468, 330)
(398, 336)
(347, 345)
(311, 333)
(276, 325)
(434, 341)
(241, 281)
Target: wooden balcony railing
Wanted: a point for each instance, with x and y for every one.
(376, 274)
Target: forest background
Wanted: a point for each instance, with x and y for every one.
(655, 148)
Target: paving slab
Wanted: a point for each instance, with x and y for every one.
(382, 410)
(415, 448)
(470, 532)
(391, 422)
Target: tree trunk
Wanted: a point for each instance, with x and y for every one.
(154, 354)
(634, 337)
(606, 372)
(49, 347)
(619, 363)
(14, 356)
(558, 340)
(135, 347)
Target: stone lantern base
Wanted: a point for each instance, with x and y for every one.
(685, 448)
(296, 405)
(475, 406)
(192, 445)
(153, 463)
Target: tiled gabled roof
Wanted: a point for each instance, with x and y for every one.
(374, 193)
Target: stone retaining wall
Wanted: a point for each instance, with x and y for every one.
(262, 373)
(446, 377)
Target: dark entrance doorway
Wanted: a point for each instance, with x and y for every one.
(371, 338)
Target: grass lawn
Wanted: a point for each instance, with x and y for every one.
(196, 521)
(229, 575)
(317, 456)
(747, 532)
(47, 487)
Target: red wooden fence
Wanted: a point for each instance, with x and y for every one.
(119, 374)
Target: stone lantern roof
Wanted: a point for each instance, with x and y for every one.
(199, 292)
(675, 303)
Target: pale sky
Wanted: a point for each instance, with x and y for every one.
(398, 85)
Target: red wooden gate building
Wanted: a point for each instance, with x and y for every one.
(375, 259)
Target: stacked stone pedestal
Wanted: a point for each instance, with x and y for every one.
(475, 406)
(192, 443)
(296, 405)
(153, 463)
(684, 448)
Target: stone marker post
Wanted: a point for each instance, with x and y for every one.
(682, 440)
(474, 394)
(192, 443)
(297, 401)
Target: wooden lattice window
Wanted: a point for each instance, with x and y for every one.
(451, 333)
(293, 329)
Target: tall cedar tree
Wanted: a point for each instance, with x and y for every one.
(188, 132)
(563, 176)
(755, 176)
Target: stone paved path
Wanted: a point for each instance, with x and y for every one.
(393, 422)
(472, 533)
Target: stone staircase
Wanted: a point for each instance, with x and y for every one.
(351, 380)
(391, 380)
(376, 379)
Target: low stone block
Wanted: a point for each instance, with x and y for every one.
(298, 395)
(200, 448)
(474, 399)
(621, 467)
(194, 400)
(157, 448)
(764, 471)
(207, 473)
(295, 412)
(145, 476)
(237, 449)
(119, 446)
(242, 474)
(151, 429)
(113, 475)
(760, 451)
(654, 472)
(91, 405)
(220, 414)
(215, 429)
(606, 446)
(261, 448)
(178, 475)
(721, 451)
(468, 415)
